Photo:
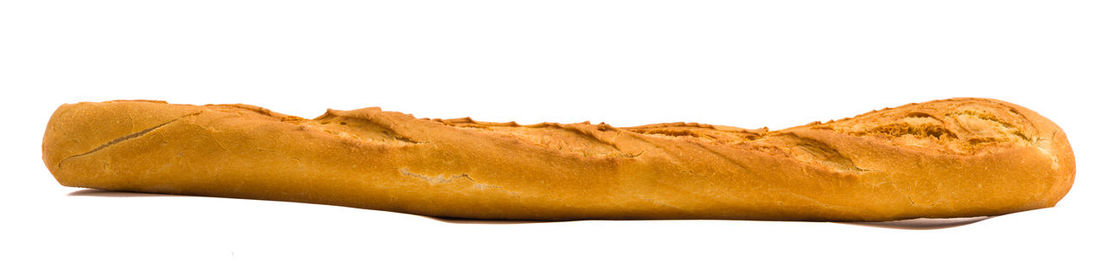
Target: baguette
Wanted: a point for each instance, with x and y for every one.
(960, 157)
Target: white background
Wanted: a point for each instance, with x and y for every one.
(747, 64)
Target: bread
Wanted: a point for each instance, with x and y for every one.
(959, 157)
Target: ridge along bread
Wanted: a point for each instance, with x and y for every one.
(959, 157)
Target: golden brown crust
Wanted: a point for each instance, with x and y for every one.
(949, 158)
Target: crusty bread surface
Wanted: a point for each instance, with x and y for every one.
(958, 157)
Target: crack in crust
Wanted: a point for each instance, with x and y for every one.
(439, 179)
(821, 152)
(125, 138)
(920, 130)
(360, 128)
